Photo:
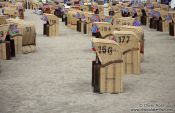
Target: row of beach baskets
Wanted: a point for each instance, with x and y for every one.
(118, 47)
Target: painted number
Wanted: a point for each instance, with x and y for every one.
(123, 39)
(28, 29)
(125, 23)
(105, 50)
(104, 28)
(54, 21)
